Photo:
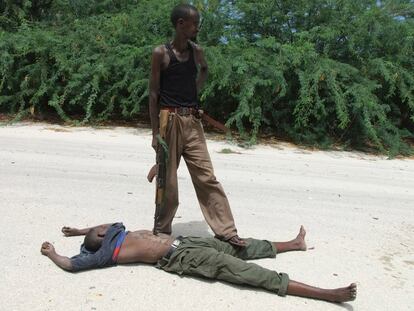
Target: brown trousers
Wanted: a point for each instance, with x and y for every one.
(185, 137)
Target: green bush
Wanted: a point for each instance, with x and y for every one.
(318, 72)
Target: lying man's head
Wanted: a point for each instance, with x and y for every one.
(94, 238)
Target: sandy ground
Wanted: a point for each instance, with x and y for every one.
(358, 211)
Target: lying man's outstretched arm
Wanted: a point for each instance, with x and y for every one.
(69, 231)
(61, 261)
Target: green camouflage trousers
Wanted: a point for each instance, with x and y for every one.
(215, 259)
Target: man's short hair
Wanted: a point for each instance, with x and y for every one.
(182, 11)
(92, 242)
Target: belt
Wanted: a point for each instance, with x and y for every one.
(173, 247)
(182, 111)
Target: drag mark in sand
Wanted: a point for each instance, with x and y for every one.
(386, 261)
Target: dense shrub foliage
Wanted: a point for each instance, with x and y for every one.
(317, 71)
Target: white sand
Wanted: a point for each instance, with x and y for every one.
(358, 211)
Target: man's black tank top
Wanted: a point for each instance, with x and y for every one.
(178, 86)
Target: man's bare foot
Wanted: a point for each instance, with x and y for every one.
(297, 244)
(237, 241)
(343, 294)
(333, 295)
(299, 241)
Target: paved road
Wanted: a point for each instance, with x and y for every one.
(358, 211)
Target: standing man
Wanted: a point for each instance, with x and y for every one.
(178, 72)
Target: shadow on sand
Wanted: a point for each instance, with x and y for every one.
(192, 228)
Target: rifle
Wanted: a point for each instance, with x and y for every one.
(201, 114)
(160, 168)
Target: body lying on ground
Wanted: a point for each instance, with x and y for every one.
(110, 244)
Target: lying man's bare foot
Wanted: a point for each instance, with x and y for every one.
(333, 295)
(343, 294)
(299, 241)
(297, 244)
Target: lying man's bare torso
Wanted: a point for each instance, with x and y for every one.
(144, 246)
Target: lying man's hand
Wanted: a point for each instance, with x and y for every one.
(68, 231)
(47, 249)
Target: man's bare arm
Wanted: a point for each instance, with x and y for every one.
(61, 261)
(70, 231)
(154, 89)
(203, 67)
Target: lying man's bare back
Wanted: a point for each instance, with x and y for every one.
(108, 245)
